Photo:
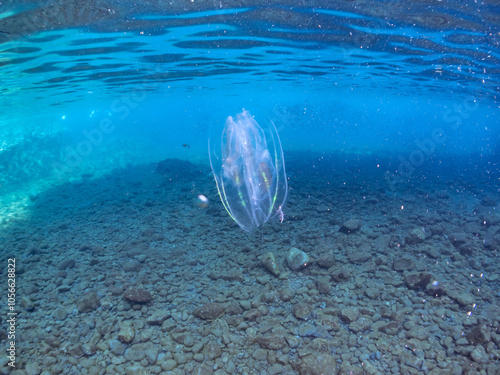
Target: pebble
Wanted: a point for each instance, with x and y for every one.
(361, 255)
(204, 369)
(27, 304)
(259, 354)
(168, 365)
(209, 311)
(117, 347)
(479, 335)
(323, 285)
(349, 314)
(268, 297)
(479, 355)
(391, 328)
(246, 305)
(323, 364)
(189, 341)
(372, 293)
(463, 298)
(132, 266)
(326, 260)
(272, 342)
(458, 239)
(416, 236)
(418, 332)
(287, 294)
(230, 367)
(350, 226)
(32, 369)
(59, 314)
(67, 264)
(106, 305)
(492, 237)
(126, 333)
(232, 275)
(270, 263)
(151, 354)
(341, 275)
(375, 356)
(89, 349)
(402, 264)
(88, 302)
(182, 358)
(136, 370)
(360, 325)
(138, 352)
(302, 310)
(158, 317)
(211, 351)
(297, 259)
(137, 295)
(381, 243)
(418, 280)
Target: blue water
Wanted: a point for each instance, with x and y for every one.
(393, 102)
(332, 78)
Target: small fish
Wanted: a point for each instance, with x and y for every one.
(186, 145)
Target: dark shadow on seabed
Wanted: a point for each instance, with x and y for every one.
(407, 273)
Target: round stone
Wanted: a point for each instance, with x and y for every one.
(169, 365)
(137, 295)
(126, 334)
(297, 259)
